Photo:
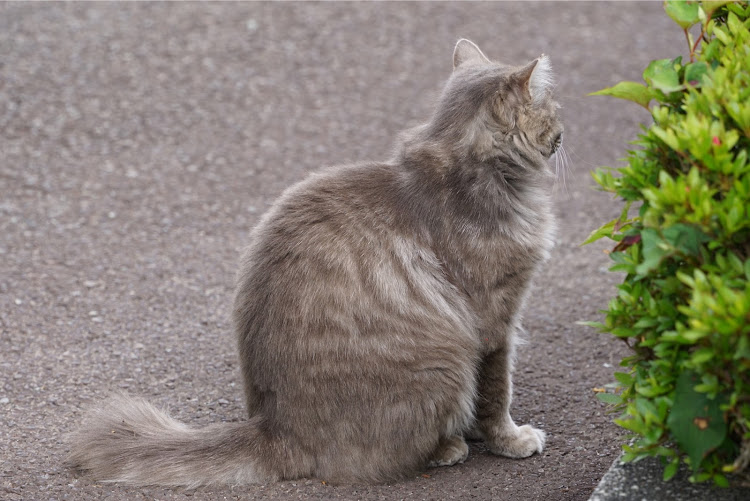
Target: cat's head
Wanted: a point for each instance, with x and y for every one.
(490, 109)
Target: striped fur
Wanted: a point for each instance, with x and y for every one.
(377, 307)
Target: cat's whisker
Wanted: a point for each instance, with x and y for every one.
(561, 156)
(562, 163)
(581, 160)
(567, 161)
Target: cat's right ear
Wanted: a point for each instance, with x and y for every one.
(467, 52)
(536, 78)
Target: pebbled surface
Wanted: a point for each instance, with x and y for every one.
(141, 142)
(643, 480)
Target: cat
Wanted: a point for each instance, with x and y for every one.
(377, 307)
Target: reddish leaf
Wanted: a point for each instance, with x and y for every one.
(626, 242)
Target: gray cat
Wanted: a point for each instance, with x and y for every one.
(377, 308)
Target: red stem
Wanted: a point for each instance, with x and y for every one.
(695, 46)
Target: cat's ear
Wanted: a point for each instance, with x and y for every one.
(536, 78)
(467, 52)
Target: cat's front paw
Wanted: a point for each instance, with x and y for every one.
(517, 441)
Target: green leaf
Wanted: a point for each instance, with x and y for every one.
(702, 355)
(661, 74)
(632, 91)
(671, 469)
(653, 252)
(683, 13)
(624, 378)
(721, 480)
(609, 398)
(694, 73)
(646, 322)
(667, 135)
(696, 422)
(602, 232)
(685, 238)
(735, 25)
(700, 477)
(723, 36)
(711, 5)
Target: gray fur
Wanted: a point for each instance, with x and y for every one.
(378, 307)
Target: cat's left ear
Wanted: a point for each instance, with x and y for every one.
(467, 52)
(536, 78)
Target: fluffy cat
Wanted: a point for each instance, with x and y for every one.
(377, 307)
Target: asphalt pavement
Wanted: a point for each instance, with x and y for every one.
(140, 143)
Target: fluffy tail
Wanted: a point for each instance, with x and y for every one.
(130, 441)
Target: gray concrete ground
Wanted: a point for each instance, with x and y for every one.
(140, 142)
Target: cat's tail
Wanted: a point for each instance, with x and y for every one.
(129, 441)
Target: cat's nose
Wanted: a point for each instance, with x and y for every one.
(557, 142)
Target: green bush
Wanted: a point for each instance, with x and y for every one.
(683, 242)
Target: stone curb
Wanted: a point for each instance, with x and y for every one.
(642, 481)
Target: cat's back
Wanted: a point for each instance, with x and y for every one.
(329, 212)
(340, 252)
